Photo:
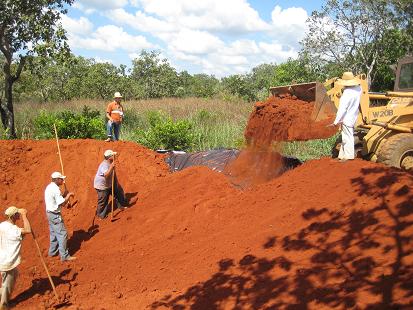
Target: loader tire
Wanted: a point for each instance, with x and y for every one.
(397, 151)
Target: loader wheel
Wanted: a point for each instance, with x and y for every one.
(397, 151)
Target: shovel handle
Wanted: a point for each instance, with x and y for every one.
(113, 190)
(45, 267)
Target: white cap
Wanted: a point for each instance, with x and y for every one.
(117, 95)
(58, 175)
(10, 211)
(109, 153)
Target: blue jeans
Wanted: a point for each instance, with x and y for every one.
(58, 236)
(115, 128)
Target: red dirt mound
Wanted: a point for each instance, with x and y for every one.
(321, 236)
(285, 119)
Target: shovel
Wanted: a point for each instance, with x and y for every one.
(59, 302)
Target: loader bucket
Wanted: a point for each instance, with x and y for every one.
(311, 92)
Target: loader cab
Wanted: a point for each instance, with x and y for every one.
(404, 75)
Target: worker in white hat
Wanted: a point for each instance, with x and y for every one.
(55, 201)
(347, 114)
(103, 185)
(114, 114)
(10, 244)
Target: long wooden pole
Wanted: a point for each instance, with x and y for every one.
(113, 188)
(58, 148)
(45, 267)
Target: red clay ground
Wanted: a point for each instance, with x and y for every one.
(285, 119)
(323, 235)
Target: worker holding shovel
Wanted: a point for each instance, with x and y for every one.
(10, 244)
(54, 202)
(106, 184)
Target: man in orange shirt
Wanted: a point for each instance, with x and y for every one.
(114, 113)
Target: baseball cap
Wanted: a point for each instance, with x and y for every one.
(109, 153)
(58, 175)
(10, 211)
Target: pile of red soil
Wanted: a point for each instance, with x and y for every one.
(323, 235)
(285, 118)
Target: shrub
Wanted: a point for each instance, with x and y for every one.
(85, 125)
(164, 133)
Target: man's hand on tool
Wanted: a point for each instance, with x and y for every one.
(23, 211)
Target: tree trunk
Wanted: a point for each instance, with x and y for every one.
(6, 108)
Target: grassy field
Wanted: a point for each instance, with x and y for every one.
(215, 123)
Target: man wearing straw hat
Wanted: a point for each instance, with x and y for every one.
(347, 114)
(54, 201)
(10, 244)
(114, 114)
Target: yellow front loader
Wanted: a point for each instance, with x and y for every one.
(384, 128)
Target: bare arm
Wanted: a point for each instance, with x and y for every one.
(66, 197)
(109, 172)
(27, 229)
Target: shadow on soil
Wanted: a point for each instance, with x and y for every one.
(42, 285)
(349, 254)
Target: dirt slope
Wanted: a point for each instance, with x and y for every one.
(323, 235)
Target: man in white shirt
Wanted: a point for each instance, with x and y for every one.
(10, 244)
(347, 114)
(54, 201)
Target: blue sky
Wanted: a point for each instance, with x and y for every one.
(218, 37)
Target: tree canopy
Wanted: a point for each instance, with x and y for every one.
(27, 28)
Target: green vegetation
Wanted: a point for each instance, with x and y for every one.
(171, 109)
(87, 124)
(189, 124)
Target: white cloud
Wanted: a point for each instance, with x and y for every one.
(76, 26)
(194, 42)
(110, 38)
(231, 16)
(214, 36)
(140, 21)
(90, 6)
(289, 25)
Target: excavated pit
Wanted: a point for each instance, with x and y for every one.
(324, 235)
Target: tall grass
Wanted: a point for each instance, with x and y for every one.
(216, 123)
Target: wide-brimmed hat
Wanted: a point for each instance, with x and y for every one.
(348, 79)
(109, 153)
(58, 175)
(117, 95)
(10, 211)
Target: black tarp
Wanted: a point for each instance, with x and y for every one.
(216, 159)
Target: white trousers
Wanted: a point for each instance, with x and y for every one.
(347, 144)
(8, 279)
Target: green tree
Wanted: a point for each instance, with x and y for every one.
(350, 34)
(27, 27)
(154, 77)
(239, 85)
(204, 86)
(102, 80)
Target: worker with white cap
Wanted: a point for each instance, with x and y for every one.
(114, 114)
(54, 201)
(347, 114)
(10, 244)
(103, 185)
